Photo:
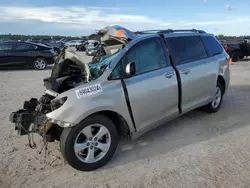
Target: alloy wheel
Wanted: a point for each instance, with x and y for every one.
(92, 143)
(40, 64)
(217, 100)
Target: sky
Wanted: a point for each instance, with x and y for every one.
(83, 17)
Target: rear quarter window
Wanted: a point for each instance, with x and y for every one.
(212, 45)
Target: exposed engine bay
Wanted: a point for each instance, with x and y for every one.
(68, 72)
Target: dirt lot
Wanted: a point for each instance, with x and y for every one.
(196, 150)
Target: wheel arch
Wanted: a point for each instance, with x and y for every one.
(222, 81)
(117, 119)
(39, 57)
(234, 51)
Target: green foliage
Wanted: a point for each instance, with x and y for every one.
(57, 37)
(228, 38)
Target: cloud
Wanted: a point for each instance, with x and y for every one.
(82, 20)
(229, 7)
(220, 22)
(83, 17)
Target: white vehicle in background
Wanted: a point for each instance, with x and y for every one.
(73, 43)
(87, 44)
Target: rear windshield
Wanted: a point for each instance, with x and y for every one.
(212, 45)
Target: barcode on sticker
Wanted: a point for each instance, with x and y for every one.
(90, 90)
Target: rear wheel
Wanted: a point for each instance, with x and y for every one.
(214, 106)
(235, 57)
(241, 57)
(91, 144)
(39, 63)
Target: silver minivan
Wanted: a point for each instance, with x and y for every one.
(144, 79)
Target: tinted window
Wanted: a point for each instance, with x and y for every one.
(25, 47)
(186, 49)
(148, 55)
(212, 45)
(5, 46)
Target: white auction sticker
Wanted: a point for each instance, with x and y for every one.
(90, 90)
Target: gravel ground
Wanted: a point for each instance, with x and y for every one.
(196, 150)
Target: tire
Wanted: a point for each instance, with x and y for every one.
(211, 107)
(81, 159)
(235, 57)
(241, 57)
(40, 63)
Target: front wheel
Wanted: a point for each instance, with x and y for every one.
(91, 144)
(214, 106)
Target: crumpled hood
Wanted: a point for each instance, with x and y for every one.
(70, 55)
(116, 33)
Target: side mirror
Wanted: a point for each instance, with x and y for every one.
(130, 69)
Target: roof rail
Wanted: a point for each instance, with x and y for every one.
(169, 31)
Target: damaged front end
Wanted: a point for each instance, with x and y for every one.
(67, 73)
(32, 119)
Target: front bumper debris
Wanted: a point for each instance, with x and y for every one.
(23, 119)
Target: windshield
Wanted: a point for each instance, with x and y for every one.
(97, 69)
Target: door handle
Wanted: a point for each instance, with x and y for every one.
(169, 74)
(185, 71)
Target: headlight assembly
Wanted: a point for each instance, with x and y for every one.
(57, 103)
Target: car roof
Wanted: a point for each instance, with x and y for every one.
(173, 33)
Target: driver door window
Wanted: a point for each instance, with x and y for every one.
(148, 56)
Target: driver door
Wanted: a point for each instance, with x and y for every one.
(153, 90)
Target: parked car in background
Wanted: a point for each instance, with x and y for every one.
(91, 51)
(237, 49)
(57, 50)
(73, 43)
(26, 54)
(87, 44)
(53, 43)
(57, 46)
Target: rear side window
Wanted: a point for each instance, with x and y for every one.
(5, 46)
(25, 47)
(186, 49)
(212, 45)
